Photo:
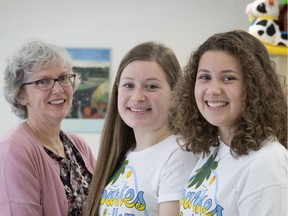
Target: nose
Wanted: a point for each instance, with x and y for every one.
(57, 87)
(214, 89)
(138, 96)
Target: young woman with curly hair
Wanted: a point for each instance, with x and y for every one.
(231, 110)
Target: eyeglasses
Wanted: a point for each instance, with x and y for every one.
(48, 83)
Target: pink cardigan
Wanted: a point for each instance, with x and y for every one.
(29, 179)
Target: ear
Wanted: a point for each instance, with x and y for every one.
(20, 97)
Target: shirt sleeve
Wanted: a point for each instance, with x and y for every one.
(269, 201)
(175, 175)
(265, 191)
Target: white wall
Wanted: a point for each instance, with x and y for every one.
(115, 24)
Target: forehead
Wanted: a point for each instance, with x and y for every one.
(219, 60)
(143, 70)
(53, 70)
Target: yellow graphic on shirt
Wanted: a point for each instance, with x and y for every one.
(122, 194)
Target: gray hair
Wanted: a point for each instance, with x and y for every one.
(34, 56)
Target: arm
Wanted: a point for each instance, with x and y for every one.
(171, 208)
(19, 187)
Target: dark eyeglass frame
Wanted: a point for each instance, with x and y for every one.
(70, 77)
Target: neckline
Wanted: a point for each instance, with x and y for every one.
(222, 150)
(152, 147)
(41, 142)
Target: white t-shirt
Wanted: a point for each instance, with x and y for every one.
(251, 185)
(147, 178)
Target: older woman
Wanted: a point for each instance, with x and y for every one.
(43, 170)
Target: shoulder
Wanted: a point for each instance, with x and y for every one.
(271, 150)
(271, 156)
(176, 147)
(18, 140)
(19, 151)
(16, 133)
(172, 143)
(177, 155)
(269, 163)
(263, 171)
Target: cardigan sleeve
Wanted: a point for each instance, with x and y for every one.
(19, 186)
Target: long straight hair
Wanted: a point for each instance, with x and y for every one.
(117, 137)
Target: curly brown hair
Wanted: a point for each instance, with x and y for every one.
(264, 113)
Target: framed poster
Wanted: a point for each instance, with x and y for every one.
(91, 97)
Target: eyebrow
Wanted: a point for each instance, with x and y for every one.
(148, 79)
(49, 77)
(223, 71)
